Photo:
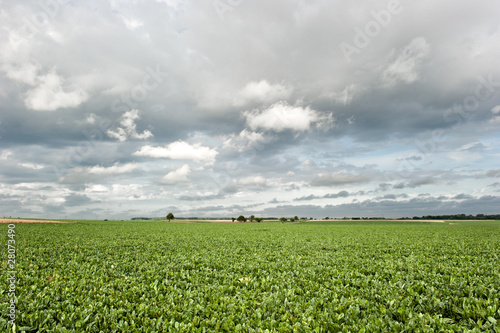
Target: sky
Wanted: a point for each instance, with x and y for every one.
(219, 108)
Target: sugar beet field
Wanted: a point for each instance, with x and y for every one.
(152, 276)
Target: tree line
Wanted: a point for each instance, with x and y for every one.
(455, 217)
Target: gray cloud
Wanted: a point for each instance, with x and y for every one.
(119, 107)
(416, 183)
(341, 194)
(493, 173)
(336, 179)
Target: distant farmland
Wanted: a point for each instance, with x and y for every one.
(317, 276)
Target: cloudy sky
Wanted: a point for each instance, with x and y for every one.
(115, 109)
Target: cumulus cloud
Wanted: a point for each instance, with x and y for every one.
(281, 116)
(262, 91)
(128, 128)
(177, 176)
(245, 140)
(26, 72)
(180, 150)
(50, 94)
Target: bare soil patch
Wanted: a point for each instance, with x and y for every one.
(29, 221)
(430, 221)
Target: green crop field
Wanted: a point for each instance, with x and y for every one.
(152, 276)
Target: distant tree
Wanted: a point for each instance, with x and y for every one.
(259, 219)
(170, 216)
(241, 218)
(296, 218)
(283, 220)
(232, 218)
(252, 218)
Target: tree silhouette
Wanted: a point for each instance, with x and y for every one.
(170, 216)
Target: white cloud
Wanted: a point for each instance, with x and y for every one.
(112, 170)
(261, 91)
(178, 176)
(496, 115)
(245, 140)
(24, 72)
(5, 155)
(81, 175)
(32, 166)
(180, 150)
(406, 65)
(129, 128)
(281, 116)
(253, 181)
(91, 118)
(50, 95)
(96, 189)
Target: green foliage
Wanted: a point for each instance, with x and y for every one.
(219, 277)
(241, 218)
(170, 216)
(283, 219)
